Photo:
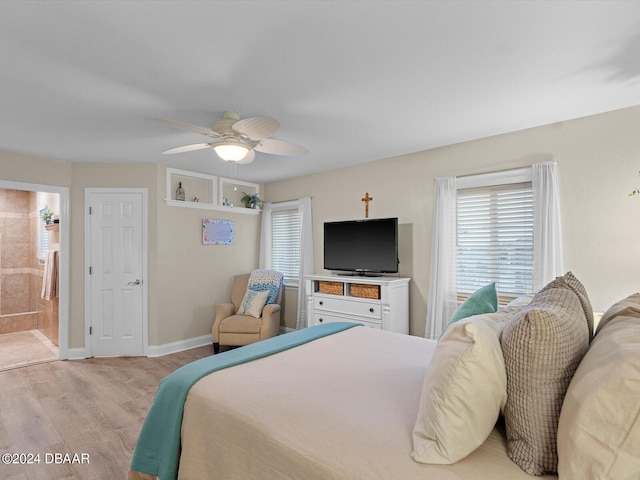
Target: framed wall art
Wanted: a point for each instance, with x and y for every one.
(217, 232)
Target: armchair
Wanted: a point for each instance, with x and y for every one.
(233, 329)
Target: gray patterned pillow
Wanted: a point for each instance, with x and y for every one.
(542, 347)
(569, 280)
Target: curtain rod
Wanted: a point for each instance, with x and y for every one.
(292, 200)
(500, 171)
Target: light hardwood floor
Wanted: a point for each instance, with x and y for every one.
(94, 407)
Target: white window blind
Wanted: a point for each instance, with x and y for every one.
(43, 237)
(495, 239)
(285, 243)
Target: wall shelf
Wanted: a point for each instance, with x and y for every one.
(205, 188)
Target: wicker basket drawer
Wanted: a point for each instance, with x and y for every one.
(365, 291)
(332, 288)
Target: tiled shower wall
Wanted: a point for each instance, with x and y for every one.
(21, 307)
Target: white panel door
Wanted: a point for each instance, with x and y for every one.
(116, 275)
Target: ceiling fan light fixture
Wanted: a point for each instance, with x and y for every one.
(231, 151)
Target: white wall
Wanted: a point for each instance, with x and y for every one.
(599, 158)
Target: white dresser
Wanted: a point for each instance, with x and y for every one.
(376, 302)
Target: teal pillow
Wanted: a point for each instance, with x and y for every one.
(483, 300)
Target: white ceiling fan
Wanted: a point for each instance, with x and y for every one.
(236, 140)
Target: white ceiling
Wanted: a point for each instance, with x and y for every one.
(351, 81)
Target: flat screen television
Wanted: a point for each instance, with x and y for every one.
(362, 246)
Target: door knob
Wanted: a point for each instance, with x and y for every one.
(137, 282)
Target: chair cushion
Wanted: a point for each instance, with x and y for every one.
(253, 302)
(241, 324)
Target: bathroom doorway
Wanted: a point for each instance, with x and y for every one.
(33, 297)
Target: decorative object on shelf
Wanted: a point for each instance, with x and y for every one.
(251, 200)
(217, 232)
(180, 192)
(236, 140)
(225, 201)
(46, 215)
(366, 199)
(636, 191)
(195, 200)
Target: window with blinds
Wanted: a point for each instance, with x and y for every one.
(285, 243)
(495, 239)
(43, 237)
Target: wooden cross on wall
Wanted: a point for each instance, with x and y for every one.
(366, 199)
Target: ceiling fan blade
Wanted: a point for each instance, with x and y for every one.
(189, 148)
(256, 128)
(280, 147)
(248, 158)
(190, 128)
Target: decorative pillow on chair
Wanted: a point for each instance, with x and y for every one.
(253, 303)
(483, 300)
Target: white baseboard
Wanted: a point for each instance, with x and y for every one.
(167, 348)
(76, 354)
(179, 346)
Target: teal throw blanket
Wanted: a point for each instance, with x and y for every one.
(158, 449)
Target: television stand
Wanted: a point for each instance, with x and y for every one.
(361, 274)
(376, 302)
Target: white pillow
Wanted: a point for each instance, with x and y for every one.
(599, 427)
(464, 389)
(253, 302)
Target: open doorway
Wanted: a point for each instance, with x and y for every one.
(33, 289)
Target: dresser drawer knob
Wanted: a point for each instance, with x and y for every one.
(320, 302)
(371, 309)
(320, 320)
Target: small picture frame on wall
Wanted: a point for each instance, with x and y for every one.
(217, 232)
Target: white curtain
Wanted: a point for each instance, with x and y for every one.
(264, 260)
(306, 248)
(306, 258)
(442, 297)
(547, 234)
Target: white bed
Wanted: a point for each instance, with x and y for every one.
(340, 407)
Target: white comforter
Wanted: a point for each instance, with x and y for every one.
(341, 407)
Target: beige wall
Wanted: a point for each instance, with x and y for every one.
(185, 277)
(289, 304)
(24, 168)
(599, 157)
(106, 175)
(192, 277)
